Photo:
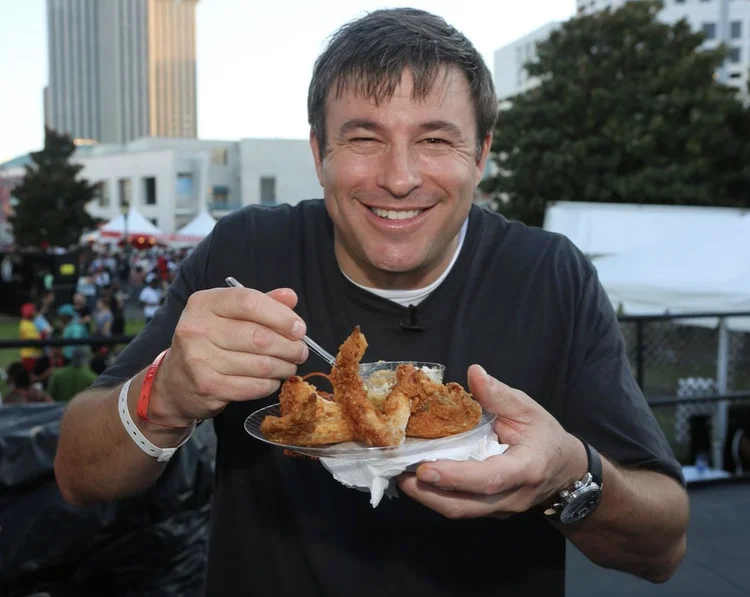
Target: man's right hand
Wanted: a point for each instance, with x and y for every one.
(230, 344)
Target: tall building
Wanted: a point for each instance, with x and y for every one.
(703, 15)
(121, 69)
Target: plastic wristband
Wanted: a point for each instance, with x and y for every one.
(144, 397)
(140, 440)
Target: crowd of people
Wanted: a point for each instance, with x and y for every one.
(114, 287)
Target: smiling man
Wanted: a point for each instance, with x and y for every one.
(401, 111)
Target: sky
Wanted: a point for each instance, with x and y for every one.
(254, 59)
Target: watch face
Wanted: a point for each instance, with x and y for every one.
(581, 505)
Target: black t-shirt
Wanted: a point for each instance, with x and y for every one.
(522, 302)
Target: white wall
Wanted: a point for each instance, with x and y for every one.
(135, 166)
(290, 161)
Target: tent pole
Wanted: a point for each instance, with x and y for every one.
(721, 415)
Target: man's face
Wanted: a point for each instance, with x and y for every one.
(399, 179)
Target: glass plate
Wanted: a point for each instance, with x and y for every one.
(359, 451)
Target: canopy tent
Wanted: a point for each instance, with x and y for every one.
(136, 225)
(683, 275)
(610, 228)
(194, 231)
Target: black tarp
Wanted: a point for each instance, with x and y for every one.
(152, 545)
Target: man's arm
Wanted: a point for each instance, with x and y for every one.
(639, 526)
(96, 460)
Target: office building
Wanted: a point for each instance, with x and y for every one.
(703, 15)
(121, 70)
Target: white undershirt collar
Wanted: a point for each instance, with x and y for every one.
(416, 296)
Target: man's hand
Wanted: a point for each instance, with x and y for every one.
(542, 458)
(231, 344)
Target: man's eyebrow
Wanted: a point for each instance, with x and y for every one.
(359, 123)
(441, 125)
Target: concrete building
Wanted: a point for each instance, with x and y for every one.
(511, 77)
(703, 15)
(121, 70)
(170, 181)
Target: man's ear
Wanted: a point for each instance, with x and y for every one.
(317, 156)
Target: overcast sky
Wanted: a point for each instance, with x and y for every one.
(254, 58)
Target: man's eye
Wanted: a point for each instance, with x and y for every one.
(363, 139)
(436, 141)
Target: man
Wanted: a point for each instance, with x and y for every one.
(401, 109)
(73, 378)
(73, 328)
(151, 297)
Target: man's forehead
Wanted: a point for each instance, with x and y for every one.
(426, 89)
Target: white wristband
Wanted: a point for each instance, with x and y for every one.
(140, 440)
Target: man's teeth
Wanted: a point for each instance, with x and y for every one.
(396, 215)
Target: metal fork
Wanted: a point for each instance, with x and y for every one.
(314, 346)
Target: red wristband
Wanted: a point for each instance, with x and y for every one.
(145, 396)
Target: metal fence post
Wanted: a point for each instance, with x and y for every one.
(639, 354)
(721, 415)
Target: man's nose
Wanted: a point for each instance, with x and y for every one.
(400, 173)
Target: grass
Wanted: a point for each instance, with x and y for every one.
(9, 331)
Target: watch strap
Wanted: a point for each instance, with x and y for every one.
(594, 461)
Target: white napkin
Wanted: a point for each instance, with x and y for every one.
(376, 475)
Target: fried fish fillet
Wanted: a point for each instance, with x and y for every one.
(385, 426)
(307, 419)
(437, 410)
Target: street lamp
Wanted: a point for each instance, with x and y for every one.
(125, 211)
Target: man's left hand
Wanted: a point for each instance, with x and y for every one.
(542, 458)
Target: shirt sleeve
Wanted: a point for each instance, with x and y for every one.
(603, 403)
(157, 335)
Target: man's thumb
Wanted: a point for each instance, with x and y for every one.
(494, 396)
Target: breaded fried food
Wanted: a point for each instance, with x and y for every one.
(437, 410)
(307, 419)
(385, 426)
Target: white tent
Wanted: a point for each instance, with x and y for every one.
(136, 225)
(611, 228)
(194, 231)
(689, 274)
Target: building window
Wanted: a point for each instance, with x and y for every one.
(268, 190)
(709, 30)
(679, 1)
(101, 193)
(735, 29)
(149, 190)
(219, 156)
(734, 55)
(185, 185)
(124, 191)
(220, 196)
(154, 221)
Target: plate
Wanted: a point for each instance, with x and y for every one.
(359, 451)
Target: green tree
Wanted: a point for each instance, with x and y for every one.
(52, 197)
(628, 110)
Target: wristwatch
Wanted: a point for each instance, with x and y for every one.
(578, 501)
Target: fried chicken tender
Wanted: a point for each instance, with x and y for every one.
(379, 427)
(437, 410)
(307, 419)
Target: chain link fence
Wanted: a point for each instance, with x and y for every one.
(695, 373)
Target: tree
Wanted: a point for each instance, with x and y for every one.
(628, 110)
(52, 198)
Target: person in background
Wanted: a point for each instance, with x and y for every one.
(81, 305)
(72, 327)
(103, 318)
(73, 378)
(28, 331)
(47, 364)
(151, 296)
(20, 390)
(42, 324)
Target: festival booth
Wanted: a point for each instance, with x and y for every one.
(135, 230)
(194, 231)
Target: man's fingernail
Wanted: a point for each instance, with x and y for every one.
(430, 476)
(483, 372)
(299, 329)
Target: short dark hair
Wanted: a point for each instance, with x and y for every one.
(370, 55)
